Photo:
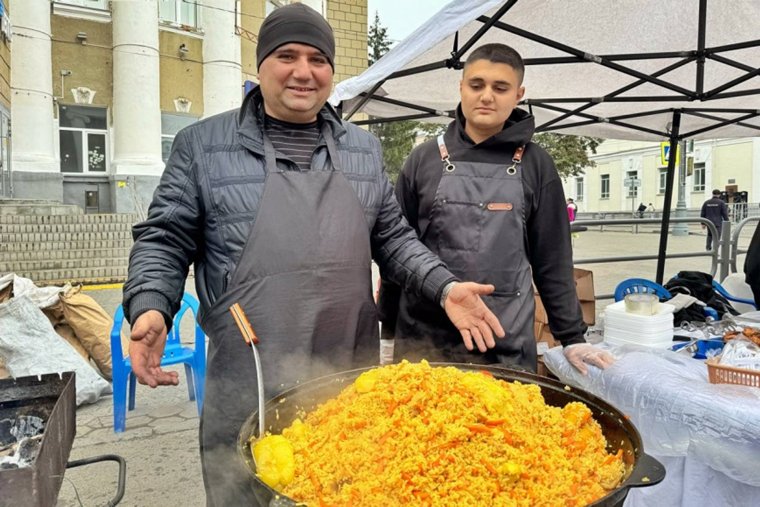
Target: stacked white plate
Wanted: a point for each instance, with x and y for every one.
(623, 328)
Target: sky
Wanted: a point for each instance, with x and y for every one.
(401, 17)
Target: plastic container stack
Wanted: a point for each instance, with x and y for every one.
(624, 328)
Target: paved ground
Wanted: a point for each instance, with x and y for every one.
(160, 443)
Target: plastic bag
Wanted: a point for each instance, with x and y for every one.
(30, 346)
(92, 326)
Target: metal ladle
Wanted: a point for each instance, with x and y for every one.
(244, 325)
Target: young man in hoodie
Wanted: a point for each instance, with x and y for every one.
(490, 203)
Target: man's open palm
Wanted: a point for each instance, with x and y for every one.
(146, 347)
(468, 312)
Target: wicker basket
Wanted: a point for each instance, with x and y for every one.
(722, 374)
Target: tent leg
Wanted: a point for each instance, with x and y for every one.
(665, 227)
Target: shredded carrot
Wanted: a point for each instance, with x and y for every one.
(385, 437)
(612, 457)
(447, 445)
(489, 467)
(478, 428)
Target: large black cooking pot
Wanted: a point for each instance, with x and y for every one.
(642, 470)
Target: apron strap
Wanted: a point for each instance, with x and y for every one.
(332, 148)
(449, 166)
(270, 158)
(517, 157)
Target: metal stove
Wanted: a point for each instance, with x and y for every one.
(37, 428)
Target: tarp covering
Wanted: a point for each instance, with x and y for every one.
(620, 67)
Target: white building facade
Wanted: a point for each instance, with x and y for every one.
(729, 165)
(99, 88)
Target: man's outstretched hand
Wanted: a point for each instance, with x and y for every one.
(471, 316)
(146, 347)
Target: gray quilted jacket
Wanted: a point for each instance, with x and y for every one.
(205, 205)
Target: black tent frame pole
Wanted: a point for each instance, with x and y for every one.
(723, 123)
(700, 84)
(616, 93)
(589, 57)
(375, 121)
(487, 24)
(665, 226)
(700, 114)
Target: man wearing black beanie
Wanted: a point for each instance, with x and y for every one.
(295, 23)
(280, 207)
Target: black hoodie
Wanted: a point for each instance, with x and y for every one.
(547, 239)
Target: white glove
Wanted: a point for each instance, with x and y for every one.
(578, 354)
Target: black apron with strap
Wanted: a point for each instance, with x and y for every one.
(477, 227)
(304, 283)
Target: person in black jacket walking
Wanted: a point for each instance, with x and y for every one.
(280, 206)
(490, 203)
(716, 211)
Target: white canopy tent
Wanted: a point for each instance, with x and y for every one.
(641, 70)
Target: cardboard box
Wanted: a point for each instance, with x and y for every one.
(584, 287)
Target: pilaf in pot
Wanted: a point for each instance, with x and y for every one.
(413, 434)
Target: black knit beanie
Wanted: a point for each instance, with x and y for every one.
(295, 23)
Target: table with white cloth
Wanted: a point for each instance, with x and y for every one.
(706, 435)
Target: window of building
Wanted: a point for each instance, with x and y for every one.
(632, 191)
(663, 180)
(178, 12)
(578, 189)
(92, 4)
(170, 125)
(605, 192)
(699, 177)
(83, 139)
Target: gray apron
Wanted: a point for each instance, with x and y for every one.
(304, 283)
(477, 227)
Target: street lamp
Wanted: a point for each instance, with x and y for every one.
(681, 229)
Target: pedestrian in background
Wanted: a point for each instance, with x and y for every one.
(572, 209)
(716, 211)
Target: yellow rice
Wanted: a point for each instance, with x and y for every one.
(412, 434)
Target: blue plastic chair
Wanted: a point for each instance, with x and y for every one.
(640, 286)
(723, 292)
(193, 358)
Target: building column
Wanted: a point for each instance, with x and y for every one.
(222, 72)
(137, 164)
(36, 172)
